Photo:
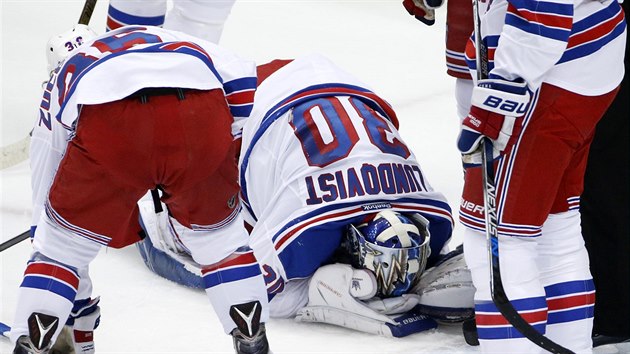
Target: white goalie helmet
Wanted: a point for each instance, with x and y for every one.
(393, 246)
(59, 47)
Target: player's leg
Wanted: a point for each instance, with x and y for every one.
(78, 332)
(61, 253)
(135, 12)
(528, 179)
(92, 202)
(204, 203)
(563, 257)
(523, 288)
(200, 18)
(568, 283)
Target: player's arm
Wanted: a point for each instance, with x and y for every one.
(533, 39)
(48, 137)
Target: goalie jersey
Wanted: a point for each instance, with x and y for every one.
(321, 151)
(144, 57)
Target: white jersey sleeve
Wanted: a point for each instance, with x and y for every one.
(574, 44)
(48, 145)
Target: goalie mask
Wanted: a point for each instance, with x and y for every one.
(392, 245)
(59, 46)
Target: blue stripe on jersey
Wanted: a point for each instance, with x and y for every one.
(528, 304)
(571, 315)
(537, 29)
(596, 18)
(592, 47)
(544, 7)
(241, 111)
(313, 248)
(230, 275)
(572, 287)
(338, 206)
(128, 19)
(241, 84)
(505, 332)
(49, 284)
(491, 41)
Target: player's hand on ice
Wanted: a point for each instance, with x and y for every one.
(497, 109)
(423, 10)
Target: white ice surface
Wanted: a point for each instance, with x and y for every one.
(142, 313)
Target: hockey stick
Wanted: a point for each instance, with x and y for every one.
(14, 241)
(14, 153)
(86, 13)
(17, 152)
(500, 299)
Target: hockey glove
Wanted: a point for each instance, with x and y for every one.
(497, 109)
(337, 295)
(446, 290)
(423, 10)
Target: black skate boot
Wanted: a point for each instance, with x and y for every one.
(41, 328)
(249, 335)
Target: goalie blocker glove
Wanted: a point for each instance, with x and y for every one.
(423, 10)
(343, 296)
(496, 112)
(446, 290)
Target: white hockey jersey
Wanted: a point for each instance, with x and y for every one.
(577, 45)
(115, 65)
(321, 151)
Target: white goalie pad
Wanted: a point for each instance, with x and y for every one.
(162, 253)
(335, 293)
(446, 290)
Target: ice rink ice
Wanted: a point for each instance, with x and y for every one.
(401, 58)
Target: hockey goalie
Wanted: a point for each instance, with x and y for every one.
(345, 225)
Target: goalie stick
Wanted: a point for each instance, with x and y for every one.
(17, 152)
(500, 299)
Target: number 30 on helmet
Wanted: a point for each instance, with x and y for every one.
(392, 245)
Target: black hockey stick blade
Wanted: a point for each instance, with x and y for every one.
(86, 13)
(469, 329)
(14, 241)
(499, 297)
